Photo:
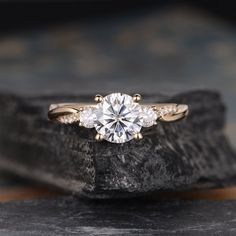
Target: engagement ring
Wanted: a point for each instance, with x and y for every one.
(117, 117)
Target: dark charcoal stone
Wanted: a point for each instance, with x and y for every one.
(183, 155)
(66, 216)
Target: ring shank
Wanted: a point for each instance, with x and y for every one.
(178, 111)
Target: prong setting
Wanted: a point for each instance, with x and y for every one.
(99, 137)
(98, 98)
(138, 136)
(154, 108)
(137, 97)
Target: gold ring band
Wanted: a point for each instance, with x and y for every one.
(118, 112)
(63, 109)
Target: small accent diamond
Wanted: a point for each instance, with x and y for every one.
(87, 117)
(166, 111)
(149, 117)
(69, 119)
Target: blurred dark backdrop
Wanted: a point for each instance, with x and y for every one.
(19, 15)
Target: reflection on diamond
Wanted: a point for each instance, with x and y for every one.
(149, 117)
(87, 117)
(118, 118)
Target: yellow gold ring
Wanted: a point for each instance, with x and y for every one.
(117, 117)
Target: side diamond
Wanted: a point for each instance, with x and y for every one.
(87, 117)
(166, 111)
(149, 117)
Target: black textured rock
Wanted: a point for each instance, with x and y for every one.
(66, 216)
(182, 155)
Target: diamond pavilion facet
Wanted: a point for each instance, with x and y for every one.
(118, 118)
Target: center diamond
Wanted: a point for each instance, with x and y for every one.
(118, 118)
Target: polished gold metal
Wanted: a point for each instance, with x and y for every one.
(138, 136)
(62, 109)
(137, 97)
(59, 111)
(98, 98)
(70, 112)
(154, 108)
(99, 137)
(180, 113)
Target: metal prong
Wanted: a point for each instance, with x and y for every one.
(99, 137)
(138, 136)
(154, 108)
(137, 97)
(98, 98)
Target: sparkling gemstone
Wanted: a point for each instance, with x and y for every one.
(69, 119)
(149, 117)
(168, 110)
(118, 118)
(87, 117)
